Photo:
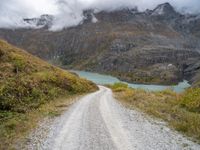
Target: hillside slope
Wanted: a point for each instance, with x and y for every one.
(26, 81)
(30, 90)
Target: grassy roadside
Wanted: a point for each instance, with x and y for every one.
(181, 111)
(29, 89)
(15, 127)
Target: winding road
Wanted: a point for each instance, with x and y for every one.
(99, 122)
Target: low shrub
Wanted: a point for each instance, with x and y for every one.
(191, 99)
(119, 86)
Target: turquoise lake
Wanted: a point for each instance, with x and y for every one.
(107, 79)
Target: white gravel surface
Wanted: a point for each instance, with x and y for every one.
(99, 122)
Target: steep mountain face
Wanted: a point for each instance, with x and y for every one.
(156, 46)
(165, 10)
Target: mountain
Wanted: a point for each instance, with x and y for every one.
(26, 82)
(45, 21)
(164, 9)
(158, 46)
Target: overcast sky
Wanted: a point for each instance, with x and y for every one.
(13, 11)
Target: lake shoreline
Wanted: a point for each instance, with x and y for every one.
(109, 79)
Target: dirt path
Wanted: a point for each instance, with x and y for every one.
(99, 122)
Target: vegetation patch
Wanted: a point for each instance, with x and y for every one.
(28, 86)
(143, 76)
(191, 100)
(181, 111)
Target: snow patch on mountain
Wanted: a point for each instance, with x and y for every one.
(158, 11)
(94, 19)
(42, 21)
(163, 9)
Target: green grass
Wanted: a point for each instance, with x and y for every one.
(15, 127)
(27, 84)
(181, 111)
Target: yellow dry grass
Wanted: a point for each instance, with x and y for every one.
(181, 111)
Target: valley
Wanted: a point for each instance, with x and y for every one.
(99, 79)
(140, 47)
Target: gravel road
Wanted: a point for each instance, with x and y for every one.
(99, 122)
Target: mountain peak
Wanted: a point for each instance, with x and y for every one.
(162, 9)
(89, 16)
(43, 21)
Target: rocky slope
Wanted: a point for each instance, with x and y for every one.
(156, 46)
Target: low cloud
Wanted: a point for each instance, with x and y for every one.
(69, 12)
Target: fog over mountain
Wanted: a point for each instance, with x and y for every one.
(70, 12)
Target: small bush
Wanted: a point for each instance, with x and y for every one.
(19, 64)
(11, 124)
(1, 53)
(119, 86)
(191, 99)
